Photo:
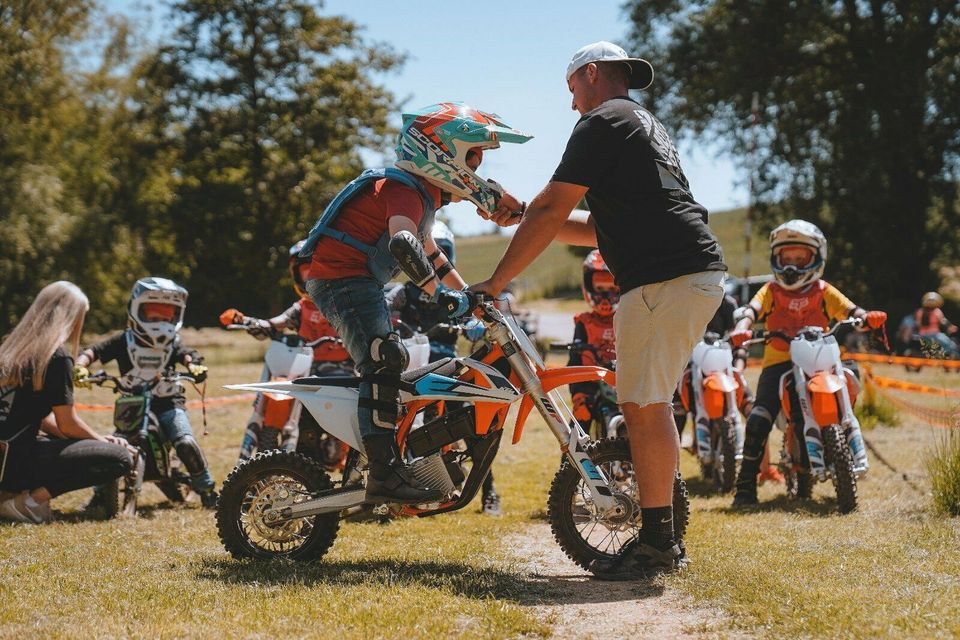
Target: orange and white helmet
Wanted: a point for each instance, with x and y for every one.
(155, 311)
(596, 271)
(797, 233)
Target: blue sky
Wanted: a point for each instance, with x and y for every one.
(505, 57)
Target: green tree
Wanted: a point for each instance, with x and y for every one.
(263, 109)
(858, 130)
(55, 157)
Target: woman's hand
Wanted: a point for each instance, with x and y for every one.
(123, 443)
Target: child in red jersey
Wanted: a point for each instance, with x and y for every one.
(797, 298)
(594, 328)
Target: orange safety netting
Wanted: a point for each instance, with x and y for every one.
(191, 404)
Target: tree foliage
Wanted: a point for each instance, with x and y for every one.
(202, 160)
(858, 127)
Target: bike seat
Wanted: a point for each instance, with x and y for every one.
(329, 381)
(443, 367)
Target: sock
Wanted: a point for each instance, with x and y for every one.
(30, 502)
(657, 527)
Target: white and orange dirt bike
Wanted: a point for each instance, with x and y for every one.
(283, 504)
(288, 357)
(712, 390)
(822, 439)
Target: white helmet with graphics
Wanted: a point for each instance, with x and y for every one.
(797, 233)
(155, 311)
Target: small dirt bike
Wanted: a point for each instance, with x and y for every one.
(156, 461)
(712, 390)
(606, 418)
(288, 357)
(822, 438)
(282, 504)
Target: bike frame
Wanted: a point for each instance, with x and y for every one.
(491, 390)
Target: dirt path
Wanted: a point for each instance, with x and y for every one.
(581, 608)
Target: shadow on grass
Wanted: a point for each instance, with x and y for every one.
(782, 504)
(461, 578)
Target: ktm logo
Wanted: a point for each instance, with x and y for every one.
(799, 304)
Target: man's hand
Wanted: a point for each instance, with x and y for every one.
(509, 210)
(198, 371)
(80, 374)
(487, 287)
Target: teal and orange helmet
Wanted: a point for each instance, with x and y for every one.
(434, 142)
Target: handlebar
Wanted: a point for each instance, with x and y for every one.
(100, 378)
(278, 336)
(806, 333)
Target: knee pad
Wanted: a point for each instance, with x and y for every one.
(389, 354)
(391, 360)
(758, 428)
(188, 450)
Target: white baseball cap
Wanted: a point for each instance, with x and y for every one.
(641, 71)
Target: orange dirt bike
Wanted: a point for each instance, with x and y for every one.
(822, 439)
(288, 357)
(283, 504)
(712, 390)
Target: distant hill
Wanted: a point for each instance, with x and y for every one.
(557, 271)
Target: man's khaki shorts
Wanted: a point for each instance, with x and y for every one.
(657, 326)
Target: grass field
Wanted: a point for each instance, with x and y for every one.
(785, 569)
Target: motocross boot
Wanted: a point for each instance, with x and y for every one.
(389, 480)
(209, 498)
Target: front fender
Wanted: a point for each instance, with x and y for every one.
(550, 379)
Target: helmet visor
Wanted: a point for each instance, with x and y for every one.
(159, 312)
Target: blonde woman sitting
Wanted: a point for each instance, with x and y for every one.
(36, 393)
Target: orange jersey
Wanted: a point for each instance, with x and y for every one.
(597, 331)
(788, 312)
(930, 322)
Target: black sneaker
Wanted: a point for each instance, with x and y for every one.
(491, 504)
(744, 499)
(639, 561)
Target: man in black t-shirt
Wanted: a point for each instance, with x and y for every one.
(666, 261)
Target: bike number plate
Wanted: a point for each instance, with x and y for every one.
(128, 413)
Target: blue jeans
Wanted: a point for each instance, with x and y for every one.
(175, 427)
(357, 309)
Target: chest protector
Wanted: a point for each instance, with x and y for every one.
(600, 334)
(313, 325)
(147, 363)
(794, 310)
(928, 321)
(382, 265)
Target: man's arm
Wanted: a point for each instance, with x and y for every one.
(545, 218)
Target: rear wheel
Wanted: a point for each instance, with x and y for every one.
(844, 479)
(580, 529)
(253, 493)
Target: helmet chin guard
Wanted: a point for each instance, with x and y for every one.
(159, 334)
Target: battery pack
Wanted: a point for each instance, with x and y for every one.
(447, 429)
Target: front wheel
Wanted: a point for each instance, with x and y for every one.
(580, 529)
(257, 487)
(844, 478)
(724, 455)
